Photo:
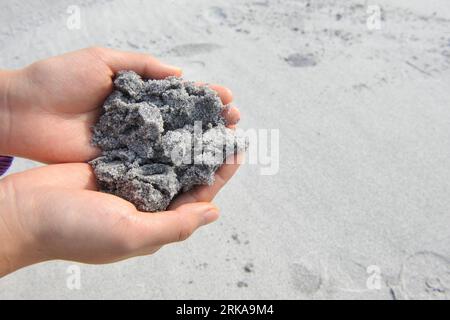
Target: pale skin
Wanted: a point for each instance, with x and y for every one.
(56, 211)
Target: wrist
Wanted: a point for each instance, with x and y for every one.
(16, 249)
(6, 78)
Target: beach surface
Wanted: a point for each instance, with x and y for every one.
(358, 206)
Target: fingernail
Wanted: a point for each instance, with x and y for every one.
(210, 215)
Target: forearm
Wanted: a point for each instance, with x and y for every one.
(16, 248)
(17, 125)
(8, 248)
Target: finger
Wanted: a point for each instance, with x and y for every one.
(231, 115)
(207, 193)
(224, 93)
(143, 64)
(172, 226)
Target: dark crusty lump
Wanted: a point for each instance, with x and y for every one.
(160, 138)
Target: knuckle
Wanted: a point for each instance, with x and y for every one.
(185, 232)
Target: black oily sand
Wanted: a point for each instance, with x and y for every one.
(160, 138)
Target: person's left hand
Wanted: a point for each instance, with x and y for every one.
(52, 104)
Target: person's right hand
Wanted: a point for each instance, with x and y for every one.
(49, 107)
(55, 212)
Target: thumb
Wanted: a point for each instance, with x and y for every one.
(177, 225)
(143, 64)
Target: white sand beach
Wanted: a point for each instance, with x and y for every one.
(359, 207)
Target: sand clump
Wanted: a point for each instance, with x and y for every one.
(159, 138)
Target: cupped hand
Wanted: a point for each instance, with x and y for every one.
(52, 104)
(55, 212)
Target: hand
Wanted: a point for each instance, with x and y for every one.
(52, 104)
(55, 212)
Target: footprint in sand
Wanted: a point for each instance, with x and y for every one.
(298, 60)
(191, 49)
(216, 14)
(305, 279)
(229, 16)
(426, 275)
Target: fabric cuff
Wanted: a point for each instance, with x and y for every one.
(5, 163)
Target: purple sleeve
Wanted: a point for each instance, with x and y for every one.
(5, 163)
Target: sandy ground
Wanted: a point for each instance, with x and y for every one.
(360, 206)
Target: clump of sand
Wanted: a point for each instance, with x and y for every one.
(160, 138)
